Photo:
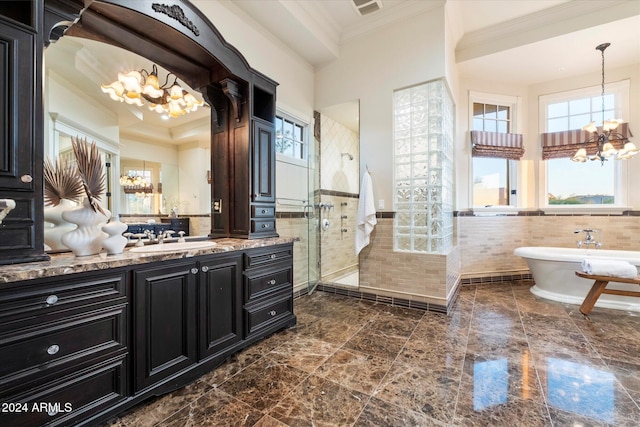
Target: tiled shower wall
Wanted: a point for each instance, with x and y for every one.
(339, 186)
(487, 243)
(293, 225)
(337, 249)
(337, 172)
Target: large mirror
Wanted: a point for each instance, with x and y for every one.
(167, 158)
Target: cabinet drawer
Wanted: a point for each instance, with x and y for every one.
(260, 316)
(262, 283)
(28, 304)
(71, 398)
(35, 350)
(270, 255)
(263, 211)
(265, 225)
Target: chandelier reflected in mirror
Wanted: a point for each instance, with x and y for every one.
(603, 139)
(136, 87)
(134, 183)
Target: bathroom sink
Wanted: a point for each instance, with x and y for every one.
(172, 247)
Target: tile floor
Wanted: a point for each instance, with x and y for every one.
(502, 358)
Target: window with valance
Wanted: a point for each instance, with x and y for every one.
(497, 145)
(562, 144)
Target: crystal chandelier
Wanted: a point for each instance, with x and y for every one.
(603, 136)
(136, 87)
(134, 183)
(132, 180)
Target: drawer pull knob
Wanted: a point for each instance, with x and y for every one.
(273, 313)
(265, 225)
(194, 270)
(52, 299)
(53, 412)
(26, 178)
(272, 256)
(53, 349)
(205, 268)
(272, 282)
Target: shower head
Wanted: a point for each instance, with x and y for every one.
(347, 154)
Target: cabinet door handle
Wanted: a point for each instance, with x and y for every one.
(273, 313)
(52, 299)
(194, 270)
(205, 268)
(53, 349)
(272, 282)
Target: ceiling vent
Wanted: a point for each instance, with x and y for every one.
(365, 7)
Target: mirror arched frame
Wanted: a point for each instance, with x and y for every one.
(177, 36)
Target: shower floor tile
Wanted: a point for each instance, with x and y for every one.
(503, 357)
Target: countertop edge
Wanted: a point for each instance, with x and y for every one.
(67, 263)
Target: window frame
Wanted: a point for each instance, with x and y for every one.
(513, 170)
(621, 90)
(303, 161)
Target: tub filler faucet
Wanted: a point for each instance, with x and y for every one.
(589, 238)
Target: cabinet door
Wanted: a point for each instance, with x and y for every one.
(263, 162)
(165, 321)
(220, 303)
(17, 53)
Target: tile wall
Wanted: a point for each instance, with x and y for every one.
(429, 278)
(294, 225)
(338, 172)
(337, 249)
(487, 243)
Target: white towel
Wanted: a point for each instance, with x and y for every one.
(366, 217)
(609, 267)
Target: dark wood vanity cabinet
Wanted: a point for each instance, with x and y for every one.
(244, 160)
(164, 317)
(64, 348)
(219, 299)
(90, 345)
(268, 289)
(21, 146)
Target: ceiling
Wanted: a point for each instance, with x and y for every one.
(522, 42)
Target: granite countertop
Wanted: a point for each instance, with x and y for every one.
(67, 263)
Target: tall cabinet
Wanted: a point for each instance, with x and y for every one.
(21, 232)
(243, 158)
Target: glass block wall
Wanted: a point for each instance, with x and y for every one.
(423, 154)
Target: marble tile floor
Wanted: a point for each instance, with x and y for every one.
(503, 357)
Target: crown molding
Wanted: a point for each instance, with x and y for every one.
(547, 23)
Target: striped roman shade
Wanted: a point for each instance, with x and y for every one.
(497, 144)
(556, 145)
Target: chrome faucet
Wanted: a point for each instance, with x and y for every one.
(164, 235)
(589, 238)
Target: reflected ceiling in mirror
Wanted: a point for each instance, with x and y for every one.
(89, 64)
(75, 70)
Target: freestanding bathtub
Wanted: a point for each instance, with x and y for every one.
(553, 270)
